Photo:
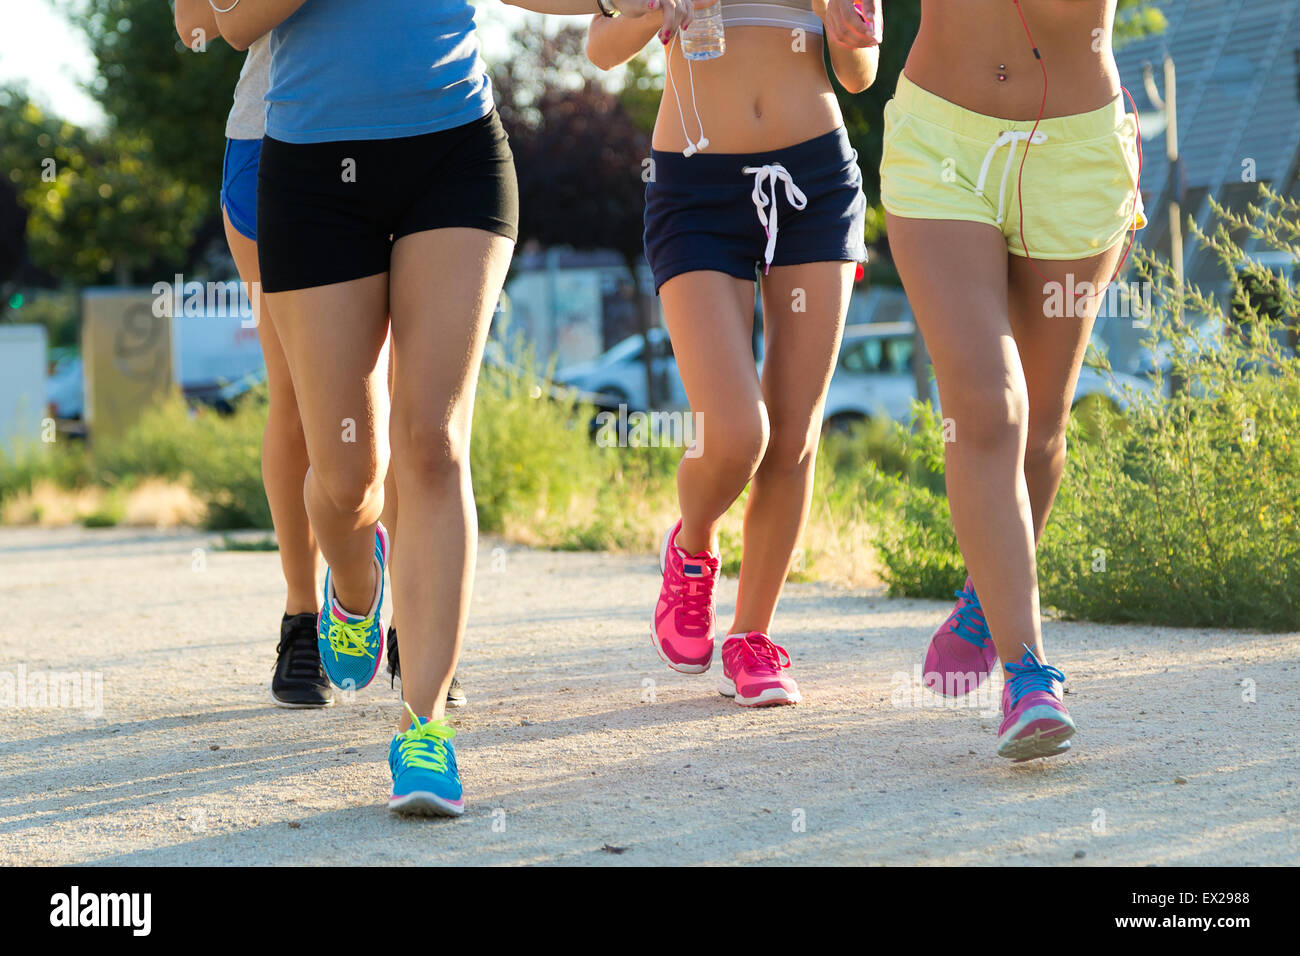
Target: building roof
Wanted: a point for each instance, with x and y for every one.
(1238, 100)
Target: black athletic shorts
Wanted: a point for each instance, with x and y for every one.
(715, 211)
(330, 212)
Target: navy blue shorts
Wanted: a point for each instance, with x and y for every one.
(239, 184)
(703, 211)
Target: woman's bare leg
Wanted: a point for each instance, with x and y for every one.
(710, 318)
(1051, 351)
(955, 274)
(284, 449)
(333, 339)
(444, 289)
(800, 354)
(389, 515)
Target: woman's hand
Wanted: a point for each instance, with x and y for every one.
(677, 14)
(849, 24)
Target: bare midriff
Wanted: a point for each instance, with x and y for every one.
(975, 53)
(768, 91)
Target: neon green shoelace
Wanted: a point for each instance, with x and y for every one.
(348, 638)
(425, 745)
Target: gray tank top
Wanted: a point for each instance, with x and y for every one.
(247, 118)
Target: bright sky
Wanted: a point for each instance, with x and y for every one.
(40, 49)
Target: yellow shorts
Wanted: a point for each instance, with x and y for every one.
(1079, 189)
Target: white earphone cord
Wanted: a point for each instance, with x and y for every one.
(692, 147)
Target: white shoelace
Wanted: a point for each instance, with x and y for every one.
(1007, 137)
(773, 173)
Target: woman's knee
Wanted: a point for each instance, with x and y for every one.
(1044, 446)
(791, 447)
(987, 416)
(429, 452)
(736, 443)
(351, 489)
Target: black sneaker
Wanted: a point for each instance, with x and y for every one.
(455, 695)
(299, 679)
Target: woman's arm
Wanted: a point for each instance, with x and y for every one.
(615, 40)
(250, 19)
(193, 16)
(676, 13)
(853, 36)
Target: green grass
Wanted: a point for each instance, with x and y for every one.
(1181, 510)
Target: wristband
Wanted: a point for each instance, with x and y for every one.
(605, 11)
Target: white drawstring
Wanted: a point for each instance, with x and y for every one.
(692, 147)
(1005, 138)
(773, 173)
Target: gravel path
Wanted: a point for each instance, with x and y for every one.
(579, 747)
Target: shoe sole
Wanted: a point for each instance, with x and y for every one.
(1048, 739)
(288, 705)
(654, 634)
(771, 697)
(421, 803)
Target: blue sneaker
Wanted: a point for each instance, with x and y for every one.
(425, 780)
(351, 646)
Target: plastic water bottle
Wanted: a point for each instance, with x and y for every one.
(704, 39)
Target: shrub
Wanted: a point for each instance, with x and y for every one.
(1185, 511)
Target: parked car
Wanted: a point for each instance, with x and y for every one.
(873, 378)
(617, 376)
(63, 391)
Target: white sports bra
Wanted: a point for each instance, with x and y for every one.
(789, 14)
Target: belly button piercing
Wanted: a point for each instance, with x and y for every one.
(1001, 74)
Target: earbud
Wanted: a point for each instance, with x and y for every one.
(694, 148)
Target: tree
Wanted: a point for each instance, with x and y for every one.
(157, 91)
(98, 208)
(579, 155)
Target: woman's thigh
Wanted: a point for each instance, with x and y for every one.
(444, 288)
(333, 338)
(955, 276)
(244, 251)
(1052, 326)
(803, 321)
(710, 318)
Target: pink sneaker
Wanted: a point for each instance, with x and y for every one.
(961, 652)
(751, 672)
(1034, 721)
(682, 631)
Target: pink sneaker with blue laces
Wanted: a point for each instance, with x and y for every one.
(1035, 722)
(961, 652)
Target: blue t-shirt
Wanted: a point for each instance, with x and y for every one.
(375, 69)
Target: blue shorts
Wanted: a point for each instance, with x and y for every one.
(239, 184)
(707, 211)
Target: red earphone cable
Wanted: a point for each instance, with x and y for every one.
(1020, 196)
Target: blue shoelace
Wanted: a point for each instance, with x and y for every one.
(968, 618)
(1030, 675)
